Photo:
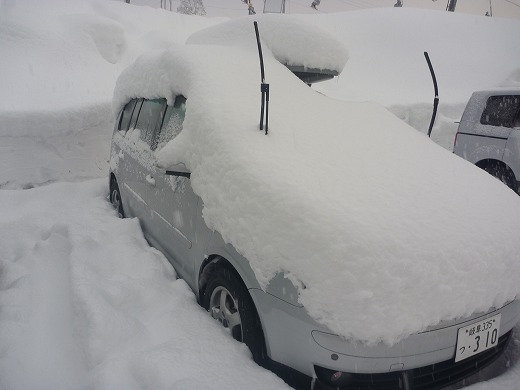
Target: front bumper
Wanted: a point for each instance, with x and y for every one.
(431, 377)
(295, 340)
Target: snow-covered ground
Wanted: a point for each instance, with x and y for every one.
(84, 301)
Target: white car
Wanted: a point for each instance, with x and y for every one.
(489, 134)
(343, 245)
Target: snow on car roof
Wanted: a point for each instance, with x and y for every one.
(380, 225)
(292, 41)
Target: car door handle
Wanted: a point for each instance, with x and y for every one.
(150, 180)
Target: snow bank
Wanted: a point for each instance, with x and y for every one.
(419, 116)
(62, 54)
(86, 303)
(513, 80)
(343, 197)
(387, 64)
(52, 61)
(386, 48)
(97, 39)
(60, 61)
(39, 147)
(291, 41)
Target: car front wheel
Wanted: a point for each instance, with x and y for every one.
(228, 301)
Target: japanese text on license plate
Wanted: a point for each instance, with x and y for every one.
(477, 337)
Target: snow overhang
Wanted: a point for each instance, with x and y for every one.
(312, 75)
(309, 52)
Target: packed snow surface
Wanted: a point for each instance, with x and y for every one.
(343, 197)
(70, 319)
(86, 303)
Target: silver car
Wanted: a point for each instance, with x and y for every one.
(489, 134)
(269, 319)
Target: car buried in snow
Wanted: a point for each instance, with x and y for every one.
(342, 247)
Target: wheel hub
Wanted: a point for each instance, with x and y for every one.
(224, 308)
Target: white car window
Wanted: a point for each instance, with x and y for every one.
(126, 115)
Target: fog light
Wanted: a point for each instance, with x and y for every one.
(336, 376)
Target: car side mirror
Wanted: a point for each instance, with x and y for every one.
(178, 170)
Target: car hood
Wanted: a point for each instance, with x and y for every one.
(388, 232)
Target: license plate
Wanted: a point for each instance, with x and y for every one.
(477, 337)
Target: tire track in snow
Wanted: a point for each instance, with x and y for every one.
(43, 352)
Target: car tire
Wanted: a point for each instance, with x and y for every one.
(239, 315)
(501, 173)
(115, 198)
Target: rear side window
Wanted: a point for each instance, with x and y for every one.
(133, 120)
(173, 120)
(502, 111)
(127, 115)
(150, 120)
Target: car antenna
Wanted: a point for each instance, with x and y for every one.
(436, 100)
(264, 88)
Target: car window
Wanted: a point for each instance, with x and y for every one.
(135, 114)
(516, 121)
(126, 115)
(150, 120)
(173, 120)
(501, 111)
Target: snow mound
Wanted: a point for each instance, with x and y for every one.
(107, 35)
(381, 225)
(59, 54)
(86, 303)
(513, 80)
(386, 48)
(292, 41)
(39, 147)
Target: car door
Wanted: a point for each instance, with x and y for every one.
(118, 163)
(512, 149)
(492, 130)
(140, 143)
(123, 161)
(176, 207)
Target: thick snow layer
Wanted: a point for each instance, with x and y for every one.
(387, 63)
(51, 145)
(60, 61)
(291, 41)
(343, 197)
(73, 55)
(54, 81)
(86, 303)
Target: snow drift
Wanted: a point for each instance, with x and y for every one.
(86, 303)
(161, 338)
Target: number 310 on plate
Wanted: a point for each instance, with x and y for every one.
(477, 337)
